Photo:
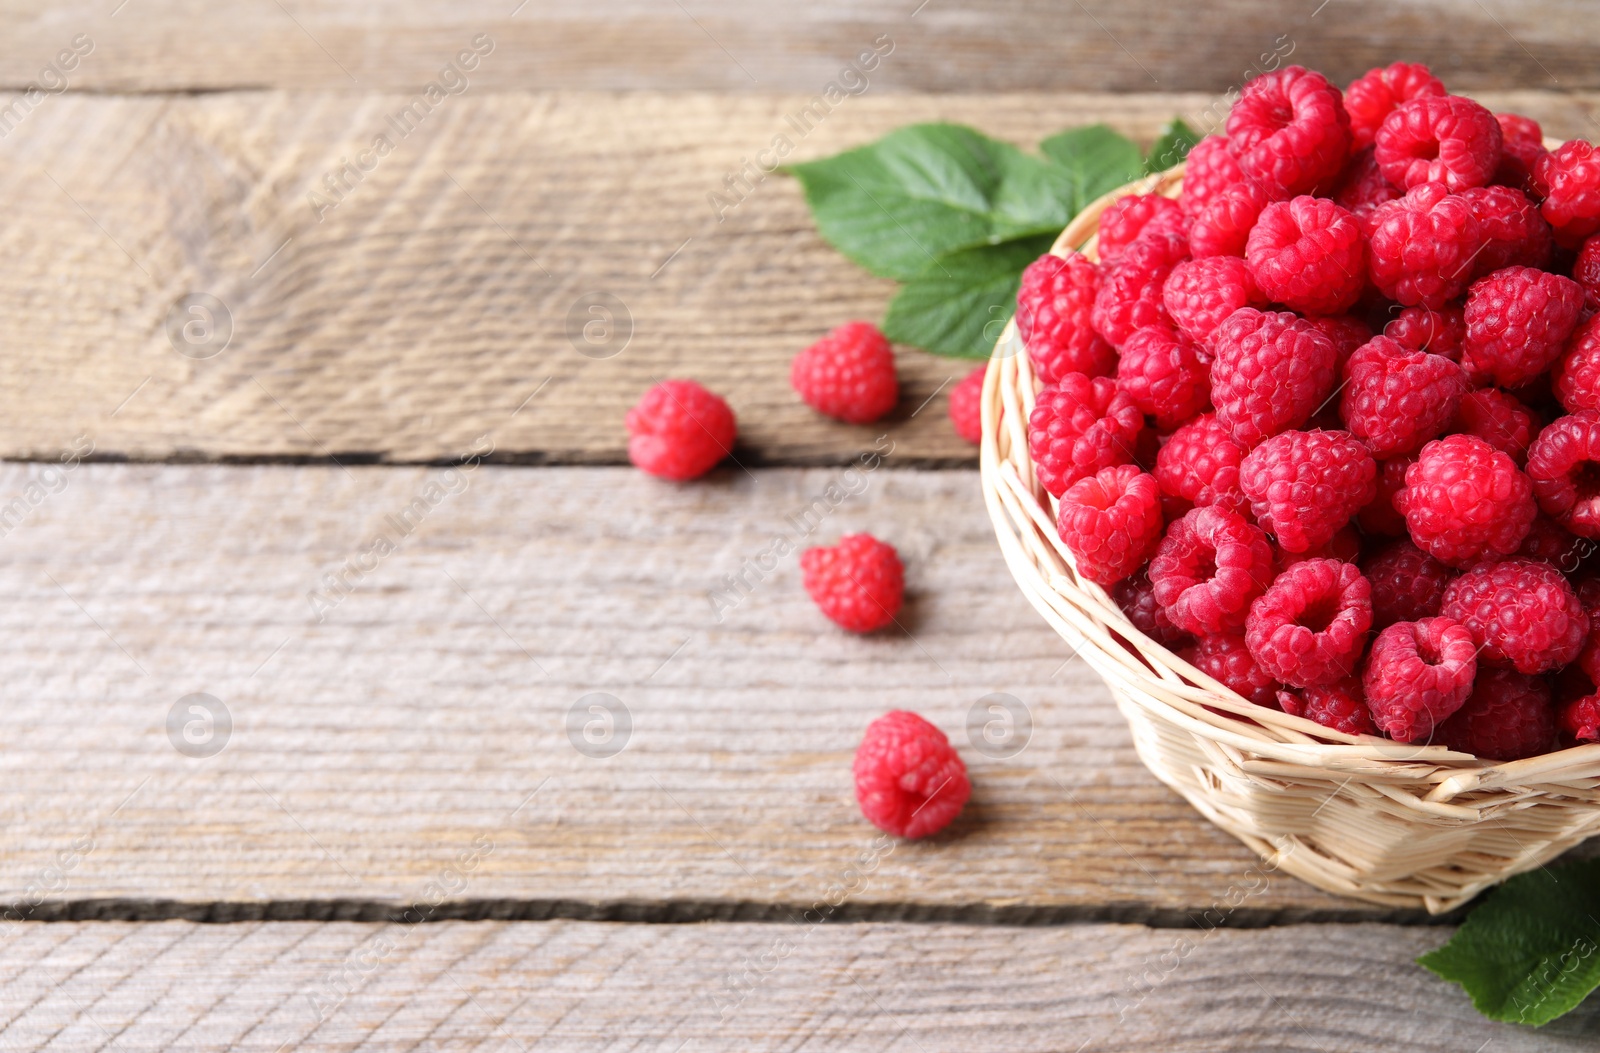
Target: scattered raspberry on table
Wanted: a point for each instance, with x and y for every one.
(858, 583)
(678, 430)
(966, 407)
(848, 374)
(910, 781)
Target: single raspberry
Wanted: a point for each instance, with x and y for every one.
(1308, 254)
(1271, 371)
(1518, 320)
(1464, 501)
(1126, 218)
(1110, 521)
(1380, 517)
(678, 430)
(1553, 543)
(1564, 464)
(1341, 706)
(1310, 626)
(1208, 569)
(1418, 674)
(1577, 371)
(1508, 717)
(858, 583)
(1225, 658)
(848, 375)
(1080, 426)
(1289, 128)
(1521, 612)
(910, 781)
(1130, 289)
(1209, 169)
(1223, 225)
(1055, 307)
(1164, 373)
(1420, 246)
(1395, 399)
(1512, 231)
(1200, 464)
(1522, 144)
(1374, 95)
(1580, 719)
(1200, 294)
(1438, 139)
(1363, 186)
(966, 406)
(1568, 178)
(1499, 420)
(1137, 599)
(1441, 332)
(1407, 583)
(1304, 486)
(1586, 271)
(1347, 333)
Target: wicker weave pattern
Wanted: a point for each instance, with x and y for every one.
(1382, 821)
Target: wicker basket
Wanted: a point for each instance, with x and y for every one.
(1395, 824)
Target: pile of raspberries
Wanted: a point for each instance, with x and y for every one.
(1327, 425)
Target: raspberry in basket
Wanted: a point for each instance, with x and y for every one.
(1271, 371)
(1308, 254)
(1225, 658)
(910, 781)
(1209, 169)
(1580, 719)
(1055, 305)
(1127, 218)
(1568, 178)
(1586, 272)
(1164, 373)
(1564, 464)
(1200, 464)
(1518, 320)
(1418, 674)
(1080, 426)
(1110, 521)
(1499, 420)
(1207, 570)
(1374, 95)
(678, 430)
(1200, 294)
(1304, 486)
(1513, 232)
(1223, 225)
(1508, 717)
(1137, 598)
(966, 406)
(1407, 583)
(1577, 372)
(1396, 399)
(848, 375)
(858, 583)
(1445, 139)
(1420, 246)
(1289, 128)
(1521, 146)
(1130, 288)
(1441, 332)
(1311, 626)
(1341, 705)
(1465, 501)
(1521, 612)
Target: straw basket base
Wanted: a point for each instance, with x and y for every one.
(1386, 822)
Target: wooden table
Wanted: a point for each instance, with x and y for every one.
(190, 520)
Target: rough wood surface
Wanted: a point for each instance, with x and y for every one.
(432, 303)
(588, 986)
(346, 45)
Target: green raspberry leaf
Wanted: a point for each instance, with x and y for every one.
(1096, 159)
(1172, 147)
(1531, 952)
(961, 303)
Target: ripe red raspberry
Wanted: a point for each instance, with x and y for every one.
(1499, 420)
(1308, 254)
(848, 375)
(910, 781)
(1372, 96)
(1521, 612)
(1347, 333)
(1130, 288)
(1126, 218)
(1508, 717)
(1289, 128)
(1580, 719)
(1165, 375)
(1586, 272)
(1568, 178)
(1271, 371)
(1553, 543)
(1522, 144)
(1341, 706)
(1577, 372)
(1395, 399)
(1080, 426)
(1438, 139)
(1464, 501)
(966, 407)
(1137, 599)
(1440, 332)
(1200, 464)
(858, 583)
(1564, 464)
(1223, 225)
(1512, 231)
(1208, 569)
(1209, 169)
(1200, 294)
(1420, 246)
(1407, 583)
(1310, 626)
(1110, 521)
(1304, 486)
(1418, 674)
(1380, 517)
(678, 430)
(1225, 658)
(1054, 318)
(1363, 186)
(1518, 320)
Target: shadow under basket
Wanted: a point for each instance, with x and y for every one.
(1390, 823)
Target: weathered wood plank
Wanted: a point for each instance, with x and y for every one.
(435, 298)
(589, 986)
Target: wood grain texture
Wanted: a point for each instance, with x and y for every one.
(431, 304)
(345, 45)
(587, 986)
